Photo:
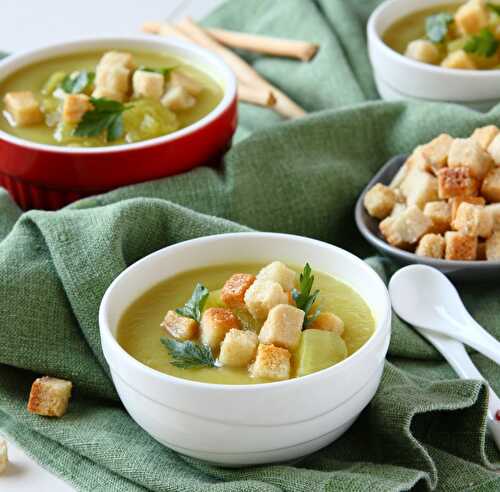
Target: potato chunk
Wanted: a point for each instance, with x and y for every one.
(148, 84)
(188, 83)
(283, 327)
(456, 182)
(431, 245)
(423, 51)
(262, 296)
(493, 247)
(176, 98)
(379, 201)
(271, 363)
(491, 185)
(50, 396)
(328, 322)
(460, 247)
(278, 272)
(459, 59)
(465, 152)
(238, 348)
(440, 214)
(180, 327)
(485, 135)
(407, 228)
(233, 292)
(75, 106)
(215, 323)
(23, 108)
(471, 17)
(4, 457)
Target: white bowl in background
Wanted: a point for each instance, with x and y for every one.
(238, 425)
(399, 77)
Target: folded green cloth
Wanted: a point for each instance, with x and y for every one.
(424, 429)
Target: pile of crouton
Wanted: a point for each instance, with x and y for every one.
(444, 202)
(267, 298)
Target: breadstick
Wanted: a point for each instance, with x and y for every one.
(255, 96)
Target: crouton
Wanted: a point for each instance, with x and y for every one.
(100, 92)
(4, 457)
(75, 106)
(431, 245)
(278, 272)
(493, 247)
(176, 98)
(494, 150)
(233, 291)
(485, 135)
(407, 228)
(148, 84)
(455, 202)
(398, 209)
(460, 247)
(491, 185)
(465, 152)
(49, 396)
(192, 86)
(283, 327)
(23, 108)
(423, 51)
(271, 363)
(113, 79)
(473, 220)
(238, 348)
(180, 327)
(328, 322)
(440, 214)
(215, 323)
(456, 181)
(471, 17)
(494, 211)
(459, 59)
(436, 152)
(379, 201)
(419, 188)
(262, 296)
(400, 176)
(117, 58)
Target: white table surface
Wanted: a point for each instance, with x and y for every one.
(25, 24)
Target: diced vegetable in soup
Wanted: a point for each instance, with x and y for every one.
(462, 35)
(246, 324)
(100, 99)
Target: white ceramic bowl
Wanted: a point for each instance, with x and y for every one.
(398, 77)
(246, 424)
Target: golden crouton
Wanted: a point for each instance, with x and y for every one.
(471, 17)
(493, 247)
(148, 84)
(460, 247)
(113, 79)
(423, 51)
(271, 363)
(436, 152)
(100, 92)
(473, 220)
(459, 59)
(262, 296)
(420, 187)
(440, 214)
(233, 291)
(466, 152)
(238, 348)
(215, 323)
(180, 327)
(117, 58)
(328, 322)
(176, 98)
(4, 457)
(456, 201)
(379, 201)
(192, 86)
(431, 245)
(398, 209)
(491, 185)
(75, 106)
(485, 135)
(49, 396)
(283, 327)
(494, 150)
(456, 181)
(400, 176)
(278, 272)
(406, 228)
(494, 211)
(23, 108)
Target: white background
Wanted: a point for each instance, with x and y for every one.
(26, 24)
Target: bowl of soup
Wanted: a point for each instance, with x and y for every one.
(86, 116)
(437, 50)
(247, 348)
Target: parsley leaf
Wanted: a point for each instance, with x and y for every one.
(77, 82)
(162, 71)
(107, 116)
(304, 299)
(483, 44)
(194, 307)
(436, 26)
(186, 355)
(494, 7)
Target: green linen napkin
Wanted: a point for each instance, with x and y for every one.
(424, 429)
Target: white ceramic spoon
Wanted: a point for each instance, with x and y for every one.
(424, 297)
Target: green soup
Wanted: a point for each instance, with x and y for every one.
(143, 119)
(139, 329)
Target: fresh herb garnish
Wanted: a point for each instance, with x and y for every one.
(77, 82)
(494, 7)
(162, 71)
(194, 307)
(436, 26)
(187, 355)
(107, 116)
(304, 299)
(483, 44)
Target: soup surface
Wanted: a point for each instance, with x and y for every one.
(140, 330)
(454, 35)
(155, 94)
